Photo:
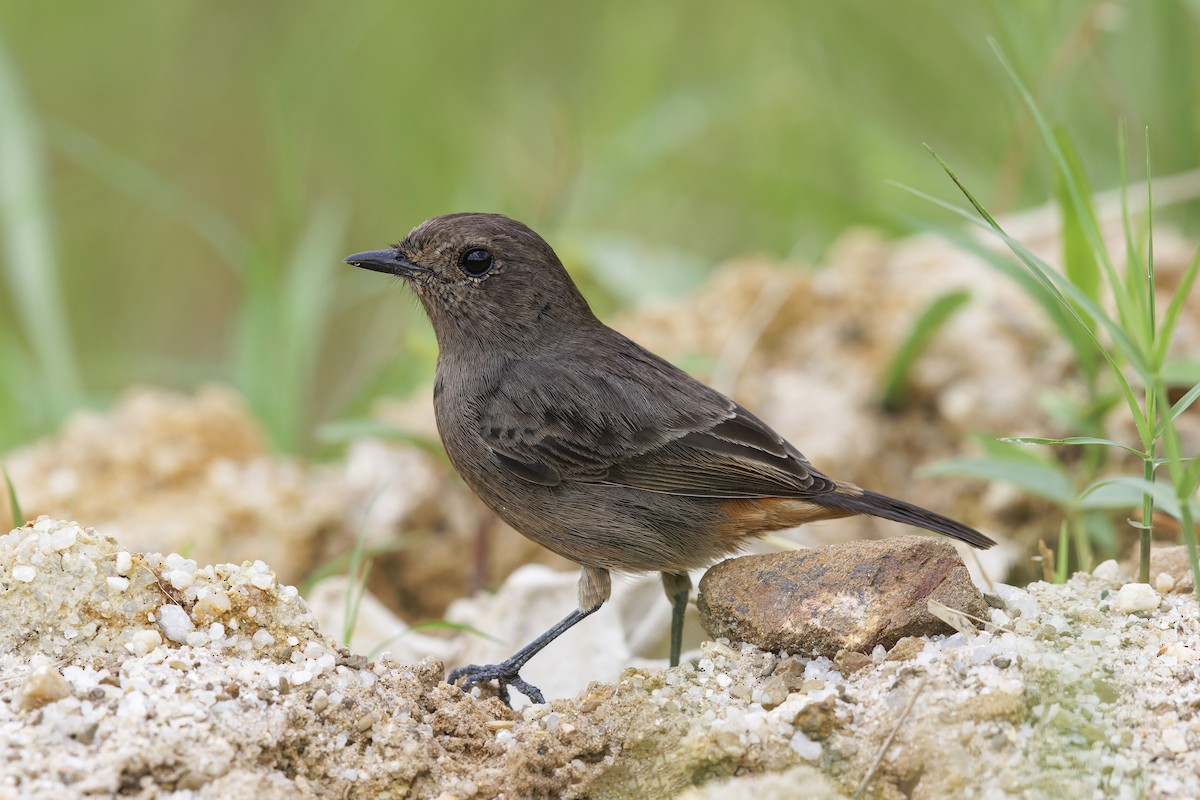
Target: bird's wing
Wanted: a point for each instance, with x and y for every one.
(639, 422)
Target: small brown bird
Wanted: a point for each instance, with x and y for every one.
(589, 444)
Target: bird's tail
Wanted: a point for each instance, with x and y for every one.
(861, 501)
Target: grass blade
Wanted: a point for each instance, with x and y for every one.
(923, 330)
(1128, 491)
(1072, 440)
(1174, 309)
(1043, 480)
(1052, 281)
(30, 253)
(1181, 405)
(14, 505)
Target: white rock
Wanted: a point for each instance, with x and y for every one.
(24, 573)
(1107, 570)
(144, 641)
(805, 747)
(1174, 740)
(63, 538)
(1164, 583)
(180, 578)
(1136, 597)
(175, 623)
(117, 583)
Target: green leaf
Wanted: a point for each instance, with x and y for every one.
(1178, 372)
(1080, 261)
(1127, 491)
(1167, 330)
(925, 327)
(1181, 405)
(1043, 480)
(1069, 296)
(30, 265)
(1063, 554)
(1073, 440)
(18, 516)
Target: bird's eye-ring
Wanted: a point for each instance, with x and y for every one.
(476, 262)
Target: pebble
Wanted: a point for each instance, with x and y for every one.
(1106, 570)
(175, 623)
(44, 685)
(1134, 597)
(1164, 582)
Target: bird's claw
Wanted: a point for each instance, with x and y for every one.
(505, 675)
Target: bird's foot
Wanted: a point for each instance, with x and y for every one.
(505, 674)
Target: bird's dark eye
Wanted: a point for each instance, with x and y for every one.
(476, 261)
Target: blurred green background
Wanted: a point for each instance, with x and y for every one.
(178, 181)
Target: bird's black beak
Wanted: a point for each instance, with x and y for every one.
(389, 261)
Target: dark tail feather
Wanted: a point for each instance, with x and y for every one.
(880, 505)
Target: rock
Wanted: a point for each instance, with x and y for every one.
(1173, 561)
(1164, 582)
(44, 685)
(1134, 597)
(850, 596)
(905, 649)
(1106, 570)
(849, 662)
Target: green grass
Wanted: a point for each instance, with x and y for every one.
(1127, 350)
(922, 332)
(14, 505)
(39, 373)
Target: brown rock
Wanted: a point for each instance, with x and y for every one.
(818, 720)
(849, 596)
(905, 649)
(849, 662)
(1173, 560)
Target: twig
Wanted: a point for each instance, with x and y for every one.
(912, 701)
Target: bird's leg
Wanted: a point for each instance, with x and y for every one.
(678, 587)
(594, 588)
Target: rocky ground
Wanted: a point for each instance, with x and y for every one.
(152, 676)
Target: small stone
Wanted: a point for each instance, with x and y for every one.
(1175, 561)
(180, 578)
(818, 720)
(143, 642)
(849, 662)
(63, 538)
(907, 648)
(175, 623)
(1106, 570)
(1134, 597)
(850, 596)
(210, 607)
(1164, 583)
(774, 692)
(43, 686)
(124, 562)
(1175, 740)
(24, 573)
(116, 583)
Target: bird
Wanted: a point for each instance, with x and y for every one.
(589, 444)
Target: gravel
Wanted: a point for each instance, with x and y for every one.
(220, 685)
